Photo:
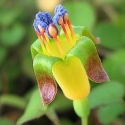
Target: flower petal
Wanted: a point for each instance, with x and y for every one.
(86, 51)
(36, 48)
(42, 67)
(83, 31)
(71, 77)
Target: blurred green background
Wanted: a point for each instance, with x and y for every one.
(20, 102)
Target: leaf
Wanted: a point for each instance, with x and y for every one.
(3, 53)
(66, 121)
(81, 14)
(4, 121)
(13, 100)
(12, 36)
(58, 103)
(28, 70)
(115, 66)
(106, 93)
(8, 17)
(110, 36)
(108, 113)
(34, 109)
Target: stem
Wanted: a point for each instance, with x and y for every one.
(82, 109)
(84, 121)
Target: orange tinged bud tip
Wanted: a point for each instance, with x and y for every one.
(60, 20)
(41, 29)
(52, 30)
(66, 17)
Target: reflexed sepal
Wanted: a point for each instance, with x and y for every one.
(42, 67)
(71, 77)
(85, 50)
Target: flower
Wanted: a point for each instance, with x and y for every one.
(68, 58)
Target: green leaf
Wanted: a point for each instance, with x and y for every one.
(110, 36)
(12, 36)
(66, 121)
(108, 113)
(4, 121)
(106, 93)
(28, 70)
(115, 66)
(34, 109)
(81, 14)
(13, 100)
(58, 103)
(8, 17)
(3, 53)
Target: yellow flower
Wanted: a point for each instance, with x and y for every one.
(68, 58)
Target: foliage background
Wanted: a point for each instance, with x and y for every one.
(19, 98)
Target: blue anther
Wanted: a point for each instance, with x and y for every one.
(40, 23)
(48, 17)
(44, 17)
(56, 18)
(60, 9)
(48, 33)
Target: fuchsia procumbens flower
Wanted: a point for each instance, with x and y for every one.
(67, 58)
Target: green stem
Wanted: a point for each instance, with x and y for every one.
(82, 109)
(84, 121)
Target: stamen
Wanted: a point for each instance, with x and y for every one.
(66, 19)
(60, 22)
(53, 32)
(42, 31)
(42, 43)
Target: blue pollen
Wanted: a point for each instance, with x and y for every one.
(61, 9)
(49, 18)
(44, 17)
(57, 17)
(38, 22)
(58, 8)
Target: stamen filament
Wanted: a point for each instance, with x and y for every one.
(42, 43)
(66, 33)
(69, 33)
(58, 44)
(71, 29)
(46, 43)
(67, 21)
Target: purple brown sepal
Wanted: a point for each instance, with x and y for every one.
(47, 88)
(86, 51)
(95, 70)
(42, 65)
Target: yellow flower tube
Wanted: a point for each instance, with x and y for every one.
(72, 78)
